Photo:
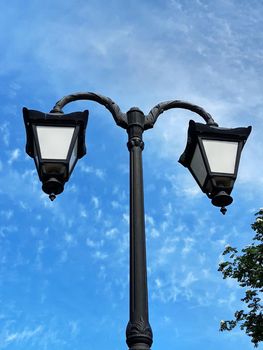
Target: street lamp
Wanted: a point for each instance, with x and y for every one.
(56, 141)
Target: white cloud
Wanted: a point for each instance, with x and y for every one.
(63, 256)
(188, 245)
(100, 255)
(112, 233)
(154, 233)
(7, 213)
(4, 129)
(149, 220)
(190, 279)
(24, 335)
(14, 155)
(95, 201)
(99, 173)
(74, 328)
(69, 239)
(90, 243)
(228, 300)
(165, 251)
(126, 218)
(158, 283)
(5, 230)
(83, 213)
(206, 272)
(115, 204)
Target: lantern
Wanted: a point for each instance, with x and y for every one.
(56, 141)
(212, 155)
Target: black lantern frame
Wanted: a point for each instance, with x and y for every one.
(55, 172)
(216, 185)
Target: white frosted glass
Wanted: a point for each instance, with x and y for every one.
(54, 141)
(198, 167)
(221, 155)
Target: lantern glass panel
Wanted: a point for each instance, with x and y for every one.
(198, 167)
(54, 141)
(35, 156)
(221, 155)
(74, 156)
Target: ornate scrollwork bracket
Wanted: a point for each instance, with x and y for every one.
(155, 112)
(119, 117)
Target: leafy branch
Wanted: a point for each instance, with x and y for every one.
(247, 269)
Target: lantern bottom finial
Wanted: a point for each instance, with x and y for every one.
(223, 210)
(52, 196)
(53, 187)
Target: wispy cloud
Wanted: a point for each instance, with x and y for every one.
(91, 170)
(14, 155)
(23, 336)
(5, 133)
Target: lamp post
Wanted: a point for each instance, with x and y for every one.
(56, 141)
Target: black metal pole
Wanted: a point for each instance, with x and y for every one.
(138, 332)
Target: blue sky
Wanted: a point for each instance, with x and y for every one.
(64, 265)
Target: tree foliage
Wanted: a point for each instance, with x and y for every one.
(247, 269)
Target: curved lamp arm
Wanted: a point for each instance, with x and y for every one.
(164, 106)
(119, 117)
